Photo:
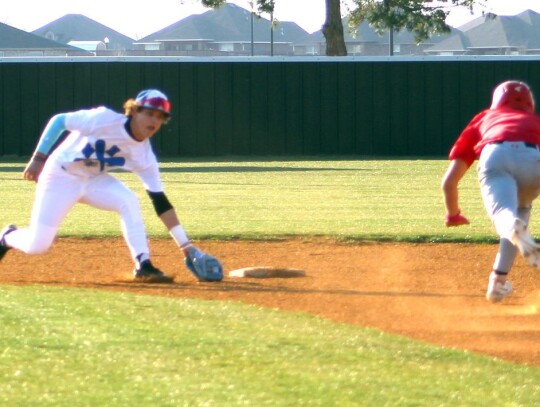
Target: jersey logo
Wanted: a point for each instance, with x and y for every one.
(103, 157)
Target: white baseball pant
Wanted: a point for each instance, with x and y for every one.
(58, 191)
(509, 176)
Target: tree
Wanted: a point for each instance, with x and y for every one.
(423, 17)
(333, 29)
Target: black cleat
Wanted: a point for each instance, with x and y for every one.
(147, 273)
(3, 247)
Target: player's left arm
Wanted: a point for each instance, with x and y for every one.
(166, 212)
(203, 266)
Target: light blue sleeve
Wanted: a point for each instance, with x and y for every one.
(52, 132)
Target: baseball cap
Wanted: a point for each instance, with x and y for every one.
(155, 100)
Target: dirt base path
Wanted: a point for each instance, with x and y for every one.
(431, 292)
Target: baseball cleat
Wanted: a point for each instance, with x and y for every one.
(3, 247)
(147, 273)
(498, 288)
(527, 246)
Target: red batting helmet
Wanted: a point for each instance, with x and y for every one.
(513, 94)
(155, 100)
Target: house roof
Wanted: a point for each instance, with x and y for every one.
(13, 38)
(226, 23)
(492, 31)
(476, 22)
(76, 27)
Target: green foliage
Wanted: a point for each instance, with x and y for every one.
(263, 6)
(68, 347)
(213, 3)
(422, 17)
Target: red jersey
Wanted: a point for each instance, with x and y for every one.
(488, 126)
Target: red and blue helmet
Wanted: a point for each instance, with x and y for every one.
(515, 95)
(154, 99)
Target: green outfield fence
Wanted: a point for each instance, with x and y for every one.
(268, 106)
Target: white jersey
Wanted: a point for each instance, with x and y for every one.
(98, 142)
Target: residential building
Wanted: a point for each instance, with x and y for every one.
(234, 31)
(228, 30)
(19, 43)
(494, 35)
(76, 27)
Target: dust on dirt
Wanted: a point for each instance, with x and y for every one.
(430, 292)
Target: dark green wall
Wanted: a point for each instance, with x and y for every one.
(270, 107)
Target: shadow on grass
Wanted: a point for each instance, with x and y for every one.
(239, 168)
(12, 169)
(247, 287)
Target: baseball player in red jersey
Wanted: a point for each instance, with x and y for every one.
(70, 165)
(505, 139)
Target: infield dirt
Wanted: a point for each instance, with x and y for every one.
(430, 292)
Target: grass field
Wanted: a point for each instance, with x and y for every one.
(356, 199)
(82, 347)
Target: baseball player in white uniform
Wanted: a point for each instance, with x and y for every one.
(70, 165)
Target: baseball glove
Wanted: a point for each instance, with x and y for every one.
(203, 266)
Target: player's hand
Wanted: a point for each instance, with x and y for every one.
(33, 168)
(456, 220)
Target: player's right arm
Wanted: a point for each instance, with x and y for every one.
(462, 155)
(51, 135)
(455, 172)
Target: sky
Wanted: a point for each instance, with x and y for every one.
(139, 18)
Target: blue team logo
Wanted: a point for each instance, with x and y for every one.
(100, 155)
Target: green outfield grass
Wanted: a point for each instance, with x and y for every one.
(76, 347)
(66, 347)
(351, 199)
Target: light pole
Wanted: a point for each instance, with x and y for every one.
(251, 4)
(394, 14)
(272, 34)
(391, 41)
